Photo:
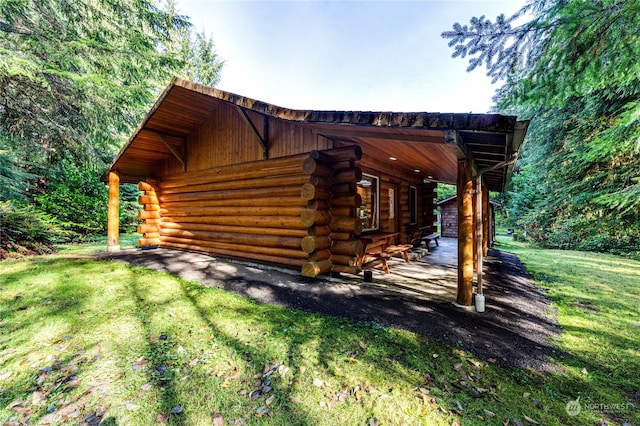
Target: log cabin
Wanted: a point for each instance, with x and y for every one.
(235, 177)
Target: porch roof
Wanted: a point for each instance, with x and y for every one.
(426, 143)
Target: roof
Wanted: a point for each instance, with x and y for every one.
(430, 143)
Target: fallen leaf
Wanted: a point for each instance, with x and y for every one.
(435, 355)
(457, 366)
(517, 422)
(255, 395)
(362, 345)
(584, 371)
(146, 386)
(492, 360)
(373, 421)
(317, 383)
(296, 400)
(177, 409)
(38, 398)
(302, 369)
(530, 420)
(242, 392)
(261, 411)
(526, 395)
(217, 419)
(537, 403)
(459, 406)
(455, 422)
(6, 375)
(489, 413)
(162, 418)
(270, 400)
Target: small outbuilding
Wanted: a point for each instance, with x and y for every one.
(234, 177)
(449, 218)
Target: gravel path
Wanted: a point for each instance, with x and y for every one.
(515, 331)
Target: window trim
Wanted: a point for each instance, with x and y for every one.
(413, 209)
(377, 200)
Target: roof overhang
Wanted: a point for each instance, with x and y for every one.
(430, 144)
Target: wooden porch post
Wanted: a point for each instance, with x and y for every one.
(486, 220)
(113, 218)
(465, 233)
(479, 219)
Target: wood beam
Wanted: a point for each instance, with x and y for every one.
(436, 138)
(262, 139)
(465, 233)
(455, 143)
(175, 153)
(486, 220)
(113, 213)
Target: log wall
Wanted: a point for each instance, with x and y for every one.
(150, 214)
(296, 211)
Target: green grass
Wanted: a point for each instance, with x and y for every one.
(81, 338)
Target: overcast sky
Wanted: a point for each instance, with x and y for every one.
(347, 55)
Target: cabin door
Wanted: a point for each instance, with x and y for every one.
(393, 195)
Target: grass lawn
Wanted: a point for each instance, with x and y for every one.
(83, 340)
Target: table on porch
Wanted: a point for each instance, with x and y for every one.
(378, 248)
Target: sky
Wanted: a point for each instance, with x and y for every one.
(347, 55)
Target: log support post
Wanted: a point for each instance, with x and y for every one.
(486, 221)
(479, 197)
(113, 213)
(465, 233)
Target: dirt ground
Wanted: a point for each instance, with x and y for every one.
(516, 330)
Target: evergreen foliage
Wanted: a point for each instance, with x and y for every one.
(573, 69)
(76, 77)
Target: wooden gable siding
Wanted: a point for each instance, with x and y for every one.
(226, 138)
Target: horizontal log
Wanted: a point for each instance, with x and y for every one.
(343, 211)
(310, 217)
(310, 244)
(233, 176)
(143, 242)
(346, 188)
(346, 153)
(148, 214)
(354, 270)
(144, 228)
(152, 221)
(284, 222)
(145, 186)
(234, 237)
(317, 204)
(350, 200)
(151, 235)
(265, 182)
(233, 211)
(319, 255)
(347, 164)
(347, 175)
(340, 259)
(349, 248)
(318, 231)
(284, 232)
(274, 191)
(313, 269)
(314, 192)
(311, 166)
(241, 202)
(257, 257)
(147, 199)
(152, 207)
(342, 236)
(273, 166)
(241, 248)
(346, 224)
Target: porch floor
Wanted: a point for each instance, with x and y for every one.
(431, 273)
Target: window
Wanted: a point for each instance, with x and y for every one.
(369, 210)
(413, 205)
